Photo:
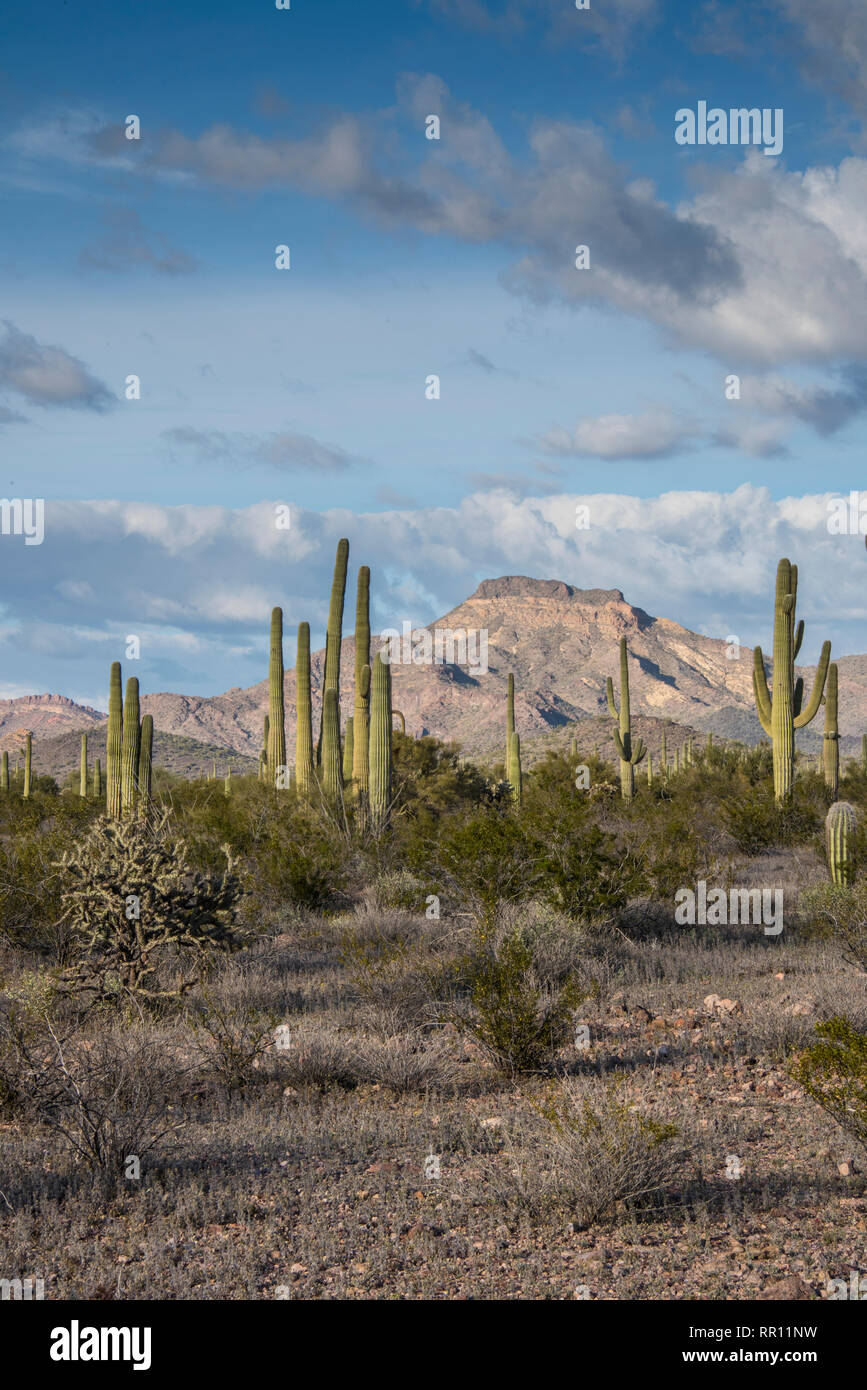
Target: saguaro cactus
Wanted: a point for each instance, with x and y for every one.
(4, 773)
(513, 768)
(630, 755)
(330, 772)
(840, 842)
(304, 776)
(831, 740)
(276, 746)
(82, 777)
(864, 752)
(348, 749)
(663, 757)
(97, 778)
(334, 635)
(361, 708)
(145, 765)
(510, 718)
(28, 763)
(114, 743)
(650, 769)
(380, 743)
(782, 712)
(130, 747)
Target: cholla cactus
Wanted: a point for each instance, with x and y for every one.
(133, 904)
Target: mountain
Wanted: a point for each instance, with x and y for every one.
(559, 641)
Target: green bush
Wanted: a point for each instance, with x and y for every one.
(833, 1072)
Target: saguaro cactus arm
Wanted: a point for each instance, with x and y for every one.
(808, 714)
(760, 691)
(609, 691)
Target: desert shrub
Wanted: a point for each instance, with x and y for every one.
(399, 888)
(604, 1152)
(482, 861)
(833, 1072)
(521, 998)
(133, 905)
(756, 823)
(230, 1038)
(323, 1058)
(670, 848)
(108, 1094)
(830, 909)
(408, 1063)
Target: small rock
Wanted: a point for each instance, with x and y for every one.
(847, 1168)
(493, 1122)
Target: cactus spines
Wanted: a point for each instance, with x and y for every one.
(303, 715)
(28, 763)
(630, 755)
(97, 778)
(333, 636)
(276, 746)
(831, 740)
(330, 771)
(361, 707)
(510, 718)
(380, 743)
(782, 711)
(513, 768)
(130, 747)
(114, 743)
(4, 773)
(82, 782)
(840, 842)
(348, 749)
(145, 764)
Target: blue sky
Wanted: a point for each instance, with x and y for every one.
(412, 257)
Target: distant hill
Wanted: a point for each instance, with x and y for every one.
(559, 641)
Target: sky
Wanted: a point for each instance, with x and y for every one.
(165, 387)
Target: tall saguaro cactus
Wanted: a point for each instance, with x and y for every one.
(331, 772)
(782, 711)
(380, 743)
(304, 775)
(334, 635)
(840, 842)
(130, 748)
(82, 780)
(361, 707)
(864, 752)
(348, 749)
(145, 764)
(630, 755)
(28, 763)
(276, 747)
(510, 718)
(114, 743)
(831, 740)
(4, 773)
(513, 768)
(97, 779)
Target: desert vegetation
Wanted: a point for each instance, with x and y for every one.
(382, 1022)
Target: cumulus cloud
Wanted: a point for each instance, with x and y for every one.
(47, 375)
(654, 434)
(283, 451)
(208, 576)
